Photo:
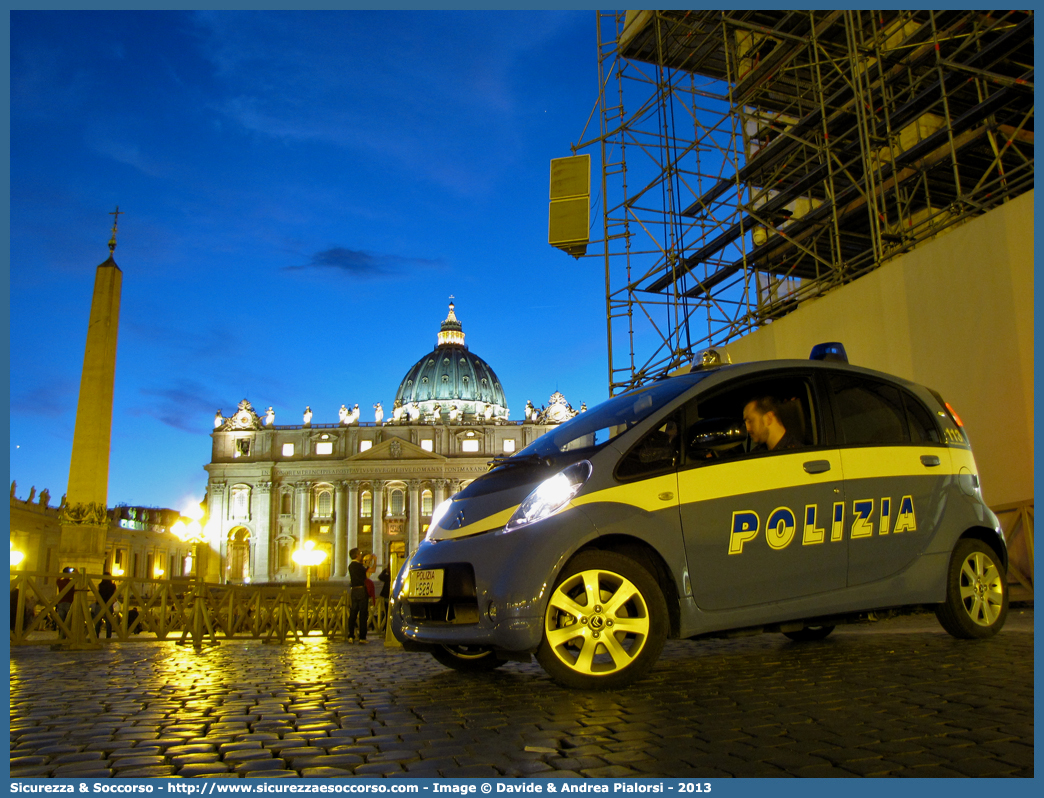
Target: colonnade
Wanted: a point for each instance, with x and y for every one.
(266, 518)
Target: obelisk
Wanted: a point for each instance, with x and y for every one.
(84, 516)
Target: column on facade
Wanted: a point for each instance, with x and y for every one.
(340, 530)
(378, 520)
(415, 515)
(217, 511)
(301, 518)
(261, 540)
(439, 492)
(353, 517)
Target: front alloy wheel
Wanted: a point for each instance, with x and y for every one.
(605, 623)
(469, 659)
(976, 603)
(810, 634)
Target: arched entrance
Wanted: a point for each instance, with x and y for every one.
(238, 555)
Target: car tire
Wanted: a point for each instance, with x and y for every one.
(810, 634)
(467, 659)
(606, 640)
(976, 603)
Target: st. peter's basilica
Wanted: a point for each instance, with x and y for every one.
(272, 488)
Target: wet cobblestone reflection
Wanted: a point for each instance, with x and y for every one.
(900, 699)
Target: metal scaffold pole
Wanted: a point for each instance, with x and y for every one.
(753, 160)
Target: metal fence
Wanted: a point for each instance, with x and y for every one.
(175, 609)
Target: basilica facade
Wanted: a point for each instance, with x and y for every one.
(274, 489)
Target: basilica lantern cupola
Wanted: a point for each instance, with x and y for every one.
(451, 382)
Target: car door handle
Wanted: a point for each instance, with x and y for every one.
(817, 466)
(930, 460)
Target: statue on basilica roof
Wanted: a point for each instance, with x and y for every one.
(557, 410)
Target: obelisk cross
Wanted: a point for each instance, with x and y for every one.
(115, 218)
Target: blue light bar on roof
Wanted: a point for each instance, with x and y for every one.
(833, 350)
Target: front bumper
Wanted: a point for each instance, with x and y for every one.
(495, 588)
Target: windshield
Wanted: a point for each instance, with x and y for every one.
(603, 423)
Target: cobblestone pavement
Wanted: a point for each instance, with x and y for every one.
(896, 698)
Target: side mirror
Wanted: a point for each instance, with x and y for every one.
(712, 437)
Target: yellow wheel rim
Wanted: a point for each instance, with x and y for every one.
(596, 622)
(981, 590)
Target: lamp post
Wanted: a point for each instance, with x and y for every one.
(193, 533)
(17, 598)
(308, 555)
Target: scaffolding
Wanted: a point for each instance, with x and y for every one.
(754, 160)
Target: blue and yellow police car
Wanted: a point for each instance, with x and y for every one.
(782, 496)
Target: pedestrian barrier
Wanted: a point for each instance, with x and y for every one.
(180, 610)
(1017, 522)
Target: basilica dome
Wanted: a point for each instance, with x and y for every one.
(451, 376)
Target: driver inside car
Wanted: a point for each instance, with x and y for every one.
(766, 420)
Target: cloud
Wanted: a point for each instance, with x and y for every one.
(358, 263)
(180, 406)
(51, 397)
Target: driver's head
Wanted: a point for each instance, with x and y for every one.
(761, 416)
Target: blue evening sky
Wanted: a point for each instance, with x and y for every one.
(303, 191)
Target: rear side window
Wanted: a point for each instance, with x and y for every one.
(869, 412)
(922, 426)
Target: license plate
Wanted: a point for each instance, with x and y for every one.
(426, 585)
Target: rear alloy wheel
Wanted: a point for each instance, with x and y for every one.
(809, 633)
(469, 659)
(605, 623)
(976, 603)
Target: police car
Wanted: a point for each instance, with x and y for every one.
(780, 496)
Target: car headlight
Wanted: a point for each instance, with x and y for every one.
(550, 496)
(437, 515)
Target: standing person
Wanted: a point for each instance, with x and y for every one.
(106, 589)
(384, 577)
(357, 610)
(64, 602)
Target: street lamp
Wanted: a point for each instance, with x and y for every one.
(16, 556)
(308, 555)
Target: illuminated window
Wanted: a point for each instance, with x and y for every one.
(324, 504)
(426, 502)
(427, 445)
(324, 530)
(364, 445)
(242, 447)
(509, 445)
(324, 447)
(398, 502)
(288, 450)
(469, 446)
(366, 504)
(240, 503)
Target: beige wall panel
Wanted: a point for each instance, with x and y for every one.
(956, 314)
